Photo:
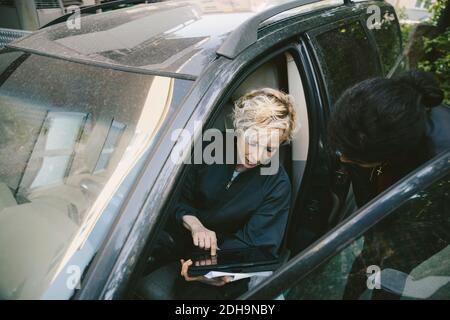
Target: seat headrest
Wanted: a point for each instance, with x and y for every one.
(268, 75)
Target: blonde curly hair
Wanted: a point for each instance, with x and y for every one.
(266, 108)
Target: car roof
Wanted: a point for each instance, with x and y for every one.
(177, 38)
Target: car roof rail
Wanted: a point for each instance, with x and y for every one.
(93, 9)
(247, 33)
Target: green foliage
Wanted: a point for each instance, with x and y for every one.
(437, 52)
(437, 60)
(401, 13)
(405, 30)
(435, 10)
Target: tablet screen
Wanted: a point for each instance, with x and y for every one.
(233, 257)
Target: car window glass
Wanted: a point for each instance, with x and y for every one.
(115, 132)
(405, 256)
(388, 39)
(345, 57)
(73, 138)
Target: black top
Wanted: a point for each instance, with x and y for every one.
(252, 211)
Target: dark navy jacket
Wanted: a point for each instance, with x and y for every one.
(253, 211)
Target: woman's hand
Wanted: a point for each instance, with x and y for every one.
(201, 236)
(220, 281)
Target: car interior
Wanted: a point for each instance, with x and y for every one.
(54, 180)
(280, 72)
(53, 167)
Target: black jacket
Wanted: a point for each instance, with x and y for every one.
(253, 211)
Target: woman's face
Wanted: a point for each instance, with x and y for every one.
(256, 146)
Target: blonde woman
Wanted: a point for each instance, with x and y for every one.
(234, 205)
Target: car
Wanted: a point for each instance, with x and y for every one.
(88, 120)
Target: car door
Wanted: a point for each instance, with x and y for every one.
(395, 247)
(338, 55)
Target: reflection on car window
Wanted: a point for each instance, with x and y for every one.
(115, 132)
(53, 151)
(73, 139)
(410, 249)
(346, 57)
(388, 39)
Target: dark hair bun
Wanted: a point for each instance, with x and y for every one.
(426, 84)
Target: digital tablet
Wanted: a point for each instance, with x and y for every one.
(252, 259)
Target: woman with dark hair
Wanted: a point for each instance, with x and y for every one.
(381, 130)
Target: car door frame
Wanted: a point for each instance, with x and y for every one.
(294, 48)
(352, 228)
(341, 185)
(238, 78)
(109, 274)
(315, 179)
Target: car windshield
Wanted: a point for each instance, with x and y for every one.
(73, 136)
